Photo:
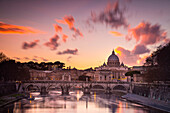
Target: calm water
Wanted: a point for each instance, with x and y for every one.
(76, 102)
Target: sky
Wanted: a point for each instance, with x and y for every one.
(83, 33)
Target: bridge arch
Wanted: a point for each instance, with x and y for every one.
(33, 87)
(55, 86)
(76, 86)
(98, 87)
(120, 87)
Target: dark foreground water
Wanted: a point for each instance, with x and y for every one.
(76, 102)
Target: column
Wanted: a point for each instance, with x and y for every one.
(63, 77)
(69, 77)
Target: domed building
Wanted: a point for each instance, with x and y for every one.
(113, 60)
(113, 71)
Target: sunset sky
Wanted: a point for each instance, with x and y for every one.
(83, 33)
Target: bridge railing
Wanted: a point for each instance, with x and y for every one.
(59, 81)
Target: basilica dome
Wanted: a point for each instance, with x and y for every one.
(113, 60)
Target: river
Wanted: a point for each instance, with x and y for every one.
(76, 102)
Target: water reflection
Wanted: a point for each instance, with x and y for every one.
(75, 102)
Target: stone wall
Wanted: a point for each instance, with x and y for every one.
(155, 91)
(7, 88)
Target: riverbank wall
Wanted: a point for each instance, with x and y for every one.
(153, 103)
(154, 91)
(7, 88)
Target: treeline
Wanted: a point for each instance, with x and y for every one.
(10, 70)
(44, 65)
(158, 65)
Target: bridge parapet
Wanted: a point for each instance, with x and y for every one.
(59, 81)
(86, 86)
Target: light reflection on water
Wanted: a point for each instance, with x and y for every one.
(76, 102)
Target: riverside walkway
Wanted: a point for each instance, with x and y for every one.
(157, 104)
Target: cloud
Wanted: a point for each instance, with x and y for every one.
(58, 28)
(140, 49)
(26, 58)
(68, 51)
(142, 60)
(77, 32)
(53, 43)
(64, 37)
(40, 58)
(112, 16)
(127, 56)
(44, 59)
(61, 21)
(34, 59)
(17, 58)
(15, 29)
(133, 57)
(116, 34)
(147, 34)
(68, 58)
(27, 45)
(69, 20)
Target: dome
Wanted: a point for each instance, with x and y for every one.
(113, 57)
(113, 60)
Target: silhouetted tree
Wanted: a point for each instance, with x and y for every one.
(3, 57)
(10, 70)
(83, 78)
(158, 65)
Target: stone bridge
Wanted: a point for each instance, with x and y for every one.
(66, 86)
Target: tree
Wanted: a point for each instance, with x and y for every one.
(10, 70)
(130, 73)
(158, 65)
(59, 64)
(84, 77)
(3, 57)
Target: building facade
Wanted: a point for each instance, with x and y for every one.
(112, 71)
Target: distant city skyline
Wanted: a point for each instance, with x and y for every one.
(82, 34)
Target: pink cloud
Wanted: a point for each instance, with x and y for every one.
(53, 43)
(116, 34)
(127, 56)
(68, 58)
(15, 29)
(68, 51)
(140, 49)
(17, 58)
(58, 28)
(64, 38)
(147, 34)
(69, 20)
(27, 45)
(112, 16)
